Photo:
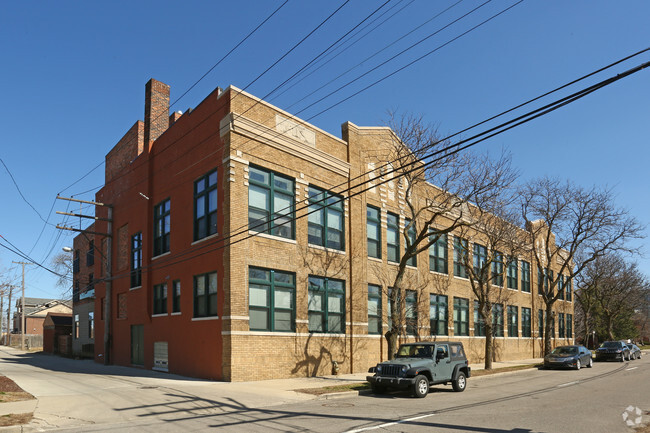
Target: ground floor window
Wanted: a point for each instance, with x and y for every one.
(525, 322)
(374, 309)
(326, 305)
(271, 300)
(461, 316)
(205, 295)
(513, 317)
(438, 314)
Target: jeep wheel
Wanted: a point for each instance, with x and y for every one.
(421, 386)
(460, 383)
(378, 389)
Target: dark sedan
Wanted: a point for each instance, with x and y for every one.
(568, 356)
(635, 352)
(613, 350)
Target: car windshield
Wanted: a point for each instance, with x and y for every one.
(611, 344)
(414, 351)
(565, 351)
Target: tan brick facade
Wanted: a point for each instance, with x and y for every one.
(255, 136)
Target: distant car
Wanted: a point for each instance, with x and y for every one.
(613, 350)
(568, 357)
(635, 352)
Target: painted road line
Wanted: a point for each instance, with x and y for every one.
(568, 384)
(376, 427)
(631, 368)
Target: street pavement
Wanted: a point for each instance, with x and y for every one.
(113, 394)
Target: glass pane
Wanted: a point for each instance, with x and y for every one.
(282, 204)
(334, 219)
(315, 234)
(283, 277)
(374, 325)
(283, 184)
(258, 319)
(316, 283)
(335, 303)
(373, 231)
(334, 323)
(283, 298)
(372, 213)
(200, 206)
(259, 274)
(200, 306)
(212, 179)
(259, 175)
(316, 217)
(258, 295)
(212, 304)
(200, 185)
(335, 239)
(316, 194)
(374, 307)
(283, 321)
(374, 289)
(258, 220)
(315, 302)
(391, 236)
(315, 322)
(212, 282)
(372, 249)
(200, 286)
(335, 285)
(258, 197)
(212, 200)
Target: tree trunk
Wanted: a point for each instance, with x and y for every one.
(610, 327)
(391, 339)
(547, 331)
(489, 349)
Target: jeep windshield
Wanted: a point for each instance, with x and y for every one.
(414, 351)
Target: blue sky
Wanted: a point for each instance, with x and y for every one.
(73, 76)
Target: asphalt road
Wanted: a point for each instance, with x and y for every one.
(82, 396)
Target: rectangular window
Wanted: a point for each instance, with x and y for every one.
(205, 295)
(525, 322)
(438, 314)
(205, 206)
(560, 286)
(161, 227)
(373, 232)
(512, 274)
(412, 261)
(567, 289)
(497, 320)
(271, 203)
(540, 320)
(89, 290)
(392, 237)
(374, 309)
(478, 260)
(160, 299)
(75, 262)
(560, 322)
(513, 321)
(497, 269)
(398, 304)
(90, 254)
(325, 220)
(460, 256)
(411, 312)
(91, 324)
(461, 316)
(176, 296)
(438, 254)
(326, 305)
(569, 326)
(271, 300)
(479, 322)
(525, 276)
(136, 260)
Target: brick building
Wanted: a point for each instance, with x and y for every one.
(205, 283)
(83, 293)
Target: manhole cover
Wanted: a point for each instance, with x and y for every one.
(338, 405)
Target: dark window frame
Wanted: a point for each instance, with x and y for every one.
(161, 227)
(273, 283)
(512, 274)
(327, 205)
(207, 299)
(271, 218)
(461, 327)
(460, 245)
(325, 312)
(374, 320)
(411, 233)
(392, 227)
(526, 322)
(525, 276)
(176, 296)
(136, 260)
(438, 304)
(438, 254)
(513, 321)
(160, 299)
(206, 224)
(375, 223)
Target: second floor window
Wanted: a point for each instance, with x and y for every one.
(392, 237)
(512, 273)
(412, 261)
(90, 255)
(373, 231)
(325, 226)
(438, 254)
(205, 206)
(136, 260)
(161, 227)
(479, 258)
(271, 199)
(460, 257)
(525, 276)
(176, 296)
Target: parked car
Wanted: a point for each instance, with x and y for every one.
(419, 365)
(568, 356)
(635, 352)
(613, 350)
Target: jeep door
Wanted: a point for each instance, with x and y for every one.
(443, 368)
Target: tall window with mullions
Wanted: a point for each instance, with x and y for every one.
(392, 237)
(373, 231)
(438, 314)
(374, 309)
(272, 299)
(271, 203)
(325, 226)
(136, 260)
(326, 305)
(438, 254)
(161, 227)
(205, 206)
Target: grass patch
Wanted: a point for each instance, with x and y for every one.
(15, 419)
(9, 391)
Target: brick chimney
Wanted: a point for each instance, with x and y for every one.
(156, 110)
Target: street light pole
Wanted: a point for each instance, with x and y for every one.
(22, 309)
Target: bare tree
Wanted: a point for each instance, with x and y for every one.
(440, 190)
(497, 241)
(569, 227)
(62, 264)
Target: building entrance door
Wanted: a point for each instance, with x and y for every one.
(137, 344)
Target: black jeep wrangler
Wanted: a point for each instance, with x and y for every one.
(418, 365)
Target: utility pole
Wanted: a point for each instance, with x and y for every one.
(22, 308)
(11, 290)
(109, 253)
(2, 300)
